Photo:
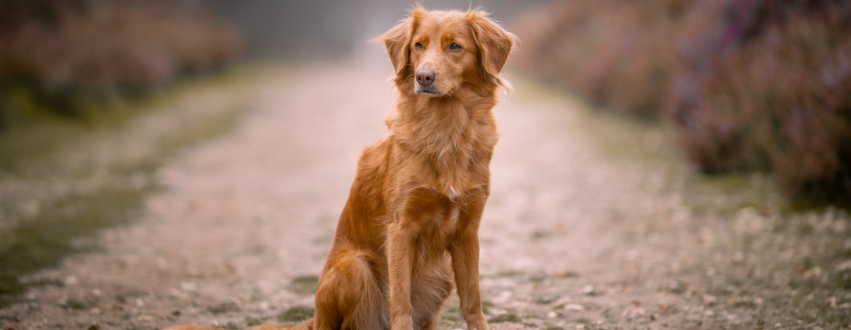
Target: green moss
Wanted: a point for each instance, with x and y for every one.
(296, 313)
(253, 322)
(542, 300)
(126, 296)
(11, 318)
(843, 279)
(78, 174)
(507, 317)
(304, 284)
(508, 273)
(487, 305)
(226, 307)
(76, 304)
(231, 326)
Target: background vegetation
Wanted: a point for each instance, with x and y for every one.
(745, 84)
(63, 51)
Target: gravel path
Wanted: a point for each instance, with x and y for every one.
(573, 236)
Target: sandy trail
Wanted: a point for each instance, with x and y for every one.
(571, 236)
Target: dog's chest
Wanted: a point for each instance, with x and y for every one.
(452, 221)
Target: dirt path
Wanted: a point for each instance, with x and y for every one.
(573, 236)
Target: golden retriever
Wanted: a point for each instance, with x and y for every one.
(408, 233)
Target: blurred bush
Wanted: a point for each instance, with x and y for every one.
(71, 47)
(747, 84)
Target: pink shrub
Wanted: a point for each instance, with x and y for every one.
(92, 46)
(748, 84)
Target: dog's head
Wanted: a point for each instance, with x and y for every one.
(437, 52)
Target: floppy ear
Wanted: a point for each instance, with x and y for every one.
(397, 42)
(494, 43)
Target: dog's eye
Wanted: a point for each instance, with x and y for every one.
(419, 45)
(454, 46)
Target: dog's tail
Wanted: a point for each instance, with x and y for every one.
(306, 325)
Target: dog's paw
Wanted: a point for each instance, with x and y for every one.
(404, 323)
(477, 323)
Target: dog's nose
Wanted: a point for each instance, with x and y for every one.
(425, 76)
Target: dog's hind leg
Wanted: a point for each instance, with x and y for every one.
(349, 295)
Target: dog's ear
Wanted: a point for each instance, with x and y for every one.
(397, 42)
(494, 43)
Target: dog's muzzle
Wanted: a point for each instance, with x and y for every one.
(425, 77)
(425, 82)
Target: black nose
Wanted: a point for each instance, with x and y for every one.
(425, 76)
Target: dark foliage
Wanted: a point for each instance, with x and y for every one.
(748, 84)
(62, 48)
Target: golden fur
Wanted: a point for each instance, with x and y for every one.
(408, 233)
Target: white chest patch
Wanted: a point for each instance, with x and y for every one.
(453, 216)
(452, 194)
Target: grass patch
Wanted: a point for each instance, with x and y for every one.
(304, 284)
(487, 305)
(76, 304)
(226, 307)
(507, 317)
(254, 321)
(296, 313)
(62, 178)
(125, 296)
(10, 318)
(508, 273)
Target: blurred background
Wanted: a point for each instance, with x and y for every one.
(746, 84)
(96, 95)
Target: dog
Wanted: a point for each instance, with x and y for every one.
(408, 234)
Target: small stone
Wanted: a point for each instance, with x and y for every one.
(843, 266)
(93, 326)
(589, 290)
(561, 302)
(565, 274)
(71, 280)
(633, 312)
(574, 307)
(551, 315)
(813, 272)
(188, 286)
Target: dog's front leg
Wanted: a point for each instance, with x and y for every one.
(399, 250)
(465, 261)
